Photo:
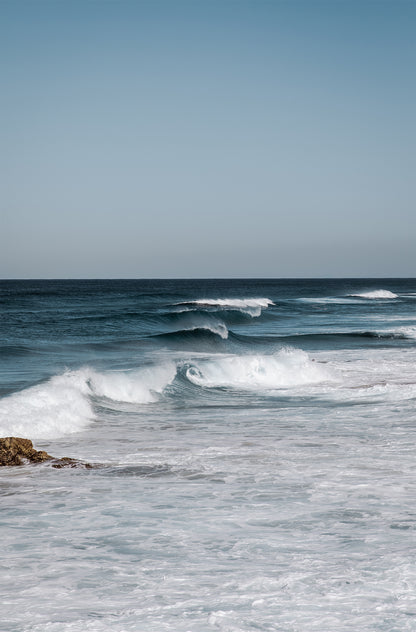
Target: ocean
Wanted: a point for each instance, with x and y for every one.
(253, 444)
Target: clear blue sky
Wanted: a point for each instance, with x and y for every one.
(207, 138)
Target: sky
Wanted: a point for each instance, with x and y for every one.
(207, 138)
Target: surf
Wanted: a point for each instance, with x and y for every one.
(287, 368)
(64, 404)
(375, 294)
(250, 306)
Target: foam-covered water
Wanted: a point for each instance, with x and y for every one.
(254, 443)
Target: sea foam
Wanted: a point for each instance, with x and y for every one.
(250, 306)
(135, 387)
(287, 368)
(64, 404)
(375, 294)
(54, 408)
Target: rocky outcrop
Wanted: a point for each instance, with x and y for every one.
(66, 461)
(14, 451)
(17, 451)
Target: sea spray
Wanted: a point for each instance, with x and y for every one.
(250, 306)
(51, 409)
(64, 404)
(376, 294)
(252, 372)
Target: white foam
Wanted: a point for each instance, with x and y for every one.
(285, 369)
(386, 375)
(136, 387)
(193, 321)
(400, 332)
(251, 306)
(375, 294)
(63, 404)
(328, 299)
(219, 329)
(59, 406)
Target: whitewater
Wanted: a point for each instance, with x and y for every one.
(252, 444)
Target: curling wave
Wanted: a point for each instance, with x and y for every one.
(287, 368)
(64, 404)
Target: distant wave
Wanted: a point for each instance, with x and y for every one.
(403, 333)
(9, 350)
(220, 329)
(251, 306)
(375, 294)
(350, 298)
(338, 300)
(192, 321)
(201, 331)
(408, 333)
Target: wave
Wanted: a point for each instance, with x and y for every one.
(401, 333)
(69, 403)
(219, 330)
(375, 294)
(406, 333)
(193, 334)
(10, 350)
(251, 306)
(52, 409)
(64, 404)
(348, 299)
(136, 387)
(338, 300)
(199, 322)
(287, 368)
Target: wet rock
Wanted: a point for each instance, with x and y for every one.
(66, 461)
(14, 451)
(17, 451)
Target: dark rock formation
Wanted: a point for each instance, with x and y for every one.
(66, 461)
(17, 451)
(13, 451)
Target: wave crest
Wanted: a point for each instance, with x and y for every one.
(63, 404)
(289, 367)
(374, 294)
(57, 407)
(251, 306)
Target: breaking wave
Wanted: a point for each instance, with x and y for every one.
(287, 368)
(219, 329)
(405, 333)
(52, 409)
(64, 404)
(67, 403)
(350, 298)
(198, 323)
(251, 306)
(375, 294)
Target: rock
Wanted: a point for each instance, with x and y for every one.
(66, 461)
(15, 451)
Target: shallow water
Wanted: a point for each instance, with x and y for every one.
(255, 443)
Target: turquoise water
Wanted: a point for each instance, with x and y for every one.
(256, 448)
